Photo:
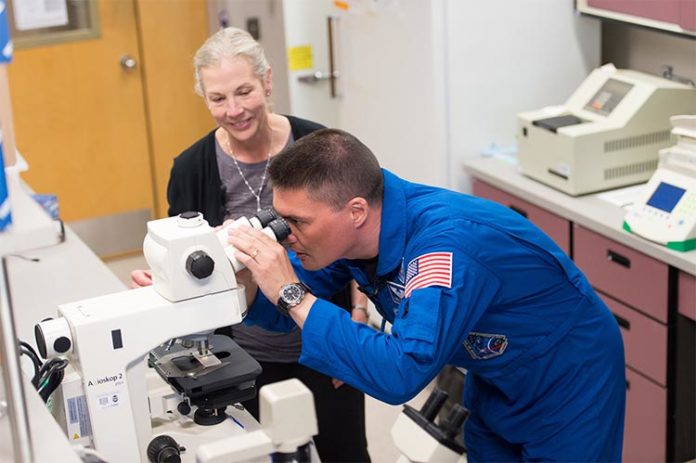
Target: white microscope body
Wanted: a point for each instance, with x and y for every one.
(421, 440)
(106, 338)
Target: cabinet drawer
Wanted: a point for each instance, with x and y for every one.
(645, 340)
(687, 295)
(645, 431)
(630, 276)
(556, 227)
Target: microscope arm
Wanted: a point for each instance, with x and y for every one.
(288, 422)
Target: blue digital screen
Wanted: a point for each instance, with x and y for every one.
(666, 196)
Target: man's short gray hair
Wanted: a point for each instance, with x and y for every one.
(332, 166)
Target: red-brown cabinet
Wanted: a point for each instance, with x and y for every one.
(655, 307)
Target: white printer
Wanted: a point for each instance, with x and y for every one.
(606, 135)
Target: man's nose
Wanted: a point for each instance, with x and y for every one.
(291, 239)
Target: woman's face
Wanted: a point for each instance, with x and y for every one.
(235, 96)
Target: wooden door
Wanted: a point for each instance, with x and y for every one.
(80, 119)
(172, 31)
(102, 136)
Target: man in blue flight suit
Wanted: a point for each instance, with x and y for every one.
(462, 280)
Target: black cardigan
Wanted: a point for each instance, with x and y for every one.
(194, 181)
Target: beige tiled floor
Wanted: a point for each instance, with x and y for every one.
(379, 416)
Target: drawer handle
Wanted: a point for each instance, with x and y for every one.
(618, 258)
(623, 323)
(518, 210)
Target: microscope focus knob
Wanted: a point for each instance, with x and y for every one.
(200, 265)
(184, 408)
(164, 449)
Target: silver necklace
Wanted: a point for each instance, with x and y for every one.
(241, 174)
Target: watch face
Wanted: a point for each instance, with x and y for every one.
(292, 294)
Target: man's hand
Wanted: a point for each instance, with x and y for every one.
(140, 278)
(265, 258)
(270, 266)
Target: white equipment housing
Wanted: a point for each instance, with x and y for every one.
(111, 335)
(128, 412)
(606, 135)
(666, 211)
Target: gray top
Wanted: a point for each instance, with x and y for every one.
(263, 345)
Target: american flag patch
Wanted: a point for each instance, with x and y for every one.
(432, 269)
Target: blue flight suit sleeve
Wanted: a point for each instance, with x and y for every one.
(429, 327)
(323, 284)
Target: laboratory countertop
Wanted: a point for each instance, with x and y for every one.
(64, 272)
(589, 211)
(39, 280)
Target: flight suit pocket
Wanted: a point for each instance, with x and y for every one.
(418, 321)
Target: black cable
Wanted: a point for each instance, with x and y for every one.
(34, 360)
(28, 350)
(53, 378)
(53, 383)
(50, 376)
(29, 347)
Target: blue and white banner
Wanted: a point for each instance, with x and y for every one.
(5, 57)
(5, 42)
(5, 212)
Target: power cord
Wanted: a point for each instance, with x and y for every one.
(50, 376)
(28, 350)
(47, 376)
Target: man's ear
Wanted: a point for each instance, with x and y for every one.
(359, 210)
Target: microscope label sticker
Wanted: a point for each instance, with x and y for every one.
(109, 400)
(117, 379)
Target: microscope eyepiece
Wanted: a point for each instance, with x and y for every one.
(280, 229)
(266, 216)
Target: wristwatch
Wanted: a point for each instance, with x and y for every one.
(290, 296)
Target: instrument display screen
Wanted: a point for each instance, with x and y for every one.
(607, 97)
(666, 196)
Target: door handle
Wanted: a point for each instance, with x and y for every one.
(128, 63)
(316, 77)
(333, 74)
(618, 258)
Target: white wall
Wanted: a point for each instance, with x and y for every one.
(505, 57)
(392, 86)
(427, 84)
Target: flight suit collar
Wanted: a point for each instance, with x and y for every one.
(392, 234)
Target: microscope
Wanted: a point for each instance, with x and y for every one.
(421, 440)
(137, 410)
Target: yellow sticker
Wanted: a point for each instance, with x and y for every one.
(300, 58)
(76, 436)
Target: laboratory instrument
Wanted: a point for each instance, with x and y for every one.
(666, 211)
(421, 440)
(184, 402)
(607, 135)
